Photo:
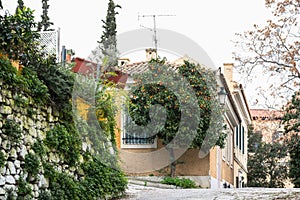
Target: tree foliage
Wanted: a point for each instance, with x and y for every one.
(45, 24)
(273, 48)
(266, 162)
(189, 101)
(20, 5)
(292, 131)
(18, 39)
(254, 140)
(108, 39)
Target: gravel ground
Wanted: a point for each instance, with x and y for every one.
(136, 192)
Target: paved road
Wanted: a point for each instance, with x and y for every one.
(136, 192)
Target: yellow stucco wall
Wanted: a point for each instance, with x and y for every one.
(238, 172)
(189, 163)
(14, 63)
(82, 107)
(227, 172)
(213, 162)
(118, 130)
(192, 165)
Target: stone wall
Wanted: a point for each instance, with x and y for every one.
(33, 121)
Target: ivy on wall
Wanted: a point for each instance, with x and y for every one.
(92, 170)
(87, 174)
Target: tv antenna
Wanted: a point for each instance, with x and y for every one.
(154, 26)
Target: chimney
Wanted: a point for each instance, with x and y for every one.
(123, 61)
(69, 54)
(151, 54)
(68, 57)
(228, 74)
(63, 54)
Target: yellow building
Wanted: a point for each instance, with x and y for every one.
(217, 168)
(240, 130)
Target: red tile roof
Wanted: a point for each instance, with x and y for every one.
(140, 67)
(265, 114)
(86, 67)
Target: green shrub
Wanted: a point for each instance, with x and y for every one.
(66, 141)
(8, 73)
(45, 195)
(10, 194)
(12, 130)
(64, 187)
(61, 185)
(26, 81)
(24, 190)
(20, 101)
(100, 181)
(2, 159)
(59, 81)
(39, 148)
(36, 88)
(18, 38)
(180, 182)
(32, 165)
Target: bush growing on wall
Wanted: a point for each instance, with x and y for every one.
(63, 139)
(77, 174)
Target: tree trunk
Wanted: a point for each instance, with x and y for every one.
(172, 162)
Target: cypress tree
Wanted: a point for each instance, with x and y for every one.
(108, 39)
(45, 23)
(20, 5)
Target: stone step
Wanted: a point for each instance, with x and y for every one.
(147, 183)
(153, 179)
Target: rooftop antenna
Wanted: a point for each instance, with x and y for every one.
(154, 27)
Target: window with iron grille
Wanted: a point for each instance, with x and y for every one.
(140, 138)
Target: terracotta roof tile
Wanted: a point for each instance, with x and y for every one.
(141, 67)
(265, 114)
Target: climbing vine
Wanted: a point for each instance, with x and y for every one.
(12, 130)
(2, 159)
(79, 173)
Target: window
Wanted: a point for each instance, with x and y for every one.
(237, 182)
(243, 140)
(240, 138)
(237, 136)
(135, 139)
(228, 147)
(227, 151)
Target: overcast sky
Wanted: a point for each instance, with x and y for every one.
(211, 24)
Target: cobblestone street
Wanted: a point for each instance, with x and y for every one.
(136, 192)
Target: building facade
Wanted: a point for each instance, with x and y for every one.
(269, 124)
(217, 168)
